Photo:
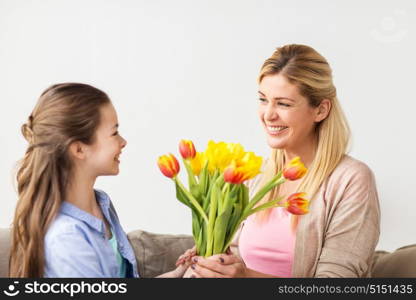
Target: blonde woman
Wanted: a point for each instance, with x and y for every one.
(301, 116)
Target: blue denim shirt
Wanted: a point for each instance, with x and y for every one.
(76, 246)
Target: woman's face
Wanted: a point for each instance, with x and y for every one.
(287, 117)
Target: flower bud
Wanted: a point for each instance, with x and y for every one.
(168, 165)
(187, 149)
(295, 169)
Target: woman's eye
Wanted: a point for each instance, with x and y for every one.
(283, 104)
(115, 133)
(262, 100)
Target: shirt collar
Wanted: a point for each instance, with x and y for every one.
(92, 221)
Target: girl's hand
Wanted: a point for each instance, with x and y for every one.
(180, 270)
(186, 257)
(219, 266)
(182, 265)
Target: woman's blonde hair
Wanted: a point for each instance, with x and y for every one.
(310, 72)
(63, 114)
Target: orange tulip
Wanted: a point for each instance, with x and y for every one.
(187, 149)
(297, 204)
(168, 165)
(295, 169)
(233, 175)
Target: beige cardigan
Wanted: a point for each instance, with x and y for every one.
(338, 236)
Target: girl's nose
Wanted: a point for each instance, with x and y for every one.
(123, 143)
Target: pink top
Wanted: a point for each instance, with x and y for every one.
(263, 253)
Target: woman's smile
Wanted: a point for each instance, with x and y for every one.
(276, 130)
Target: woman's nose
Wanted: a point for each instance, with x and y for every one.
(270, 112)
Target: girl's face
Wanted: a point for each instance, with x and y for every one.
(287, 117)
(104, 154)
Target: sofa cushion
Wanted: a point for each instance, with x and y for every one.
(400, 263)
(157, 253)
(4, 251)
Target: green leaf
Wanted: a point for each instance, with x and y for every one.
(196, 193)
(235, 216)
(220, 230)
(199, 242)
(196, 227)
(220, 204)
(276, 180)
(270, 204)
(244, 194)
(181, 196)
(231, 192)
(215, 195)
(203, 240)
(205, 204)
(191, 176)
(191, 199)
(204, 180)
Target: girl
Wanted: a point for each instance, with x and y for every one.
(62, 226)
(301, 116)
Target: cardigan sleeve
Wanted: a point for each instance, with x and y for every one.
(352, 225)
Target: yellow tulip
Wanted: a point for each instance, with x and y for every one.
(198, 162)
(244, 168)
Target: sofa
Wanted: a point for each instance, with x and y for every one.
(157, 253)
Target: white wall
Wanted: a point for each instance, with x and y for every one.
(187, 69)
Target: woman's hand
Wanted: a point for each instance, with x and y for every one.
(219, 266)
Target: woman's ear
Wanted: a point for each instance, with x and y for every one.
(77, 150)
(323, 110)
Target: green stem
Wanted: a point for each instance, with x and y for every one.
(191, 175)
(277, 180)
(192, 199)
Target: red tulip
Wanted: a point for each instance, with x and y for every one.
(297, 204)
(294, 170)
(168, 165)
(187, 149)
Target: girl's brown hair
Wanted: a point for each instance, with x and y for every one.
(64, 113)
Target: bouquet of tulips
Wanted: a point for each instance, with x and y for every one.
(217, 196)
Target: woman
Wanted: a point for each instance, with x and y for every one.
(301, 116)
(63, 227)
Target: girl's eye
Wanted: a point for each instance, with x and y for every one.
(262, 99)
(115, 133)
(283, 104)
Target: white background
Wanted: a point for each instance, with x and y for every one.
(187, 69)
